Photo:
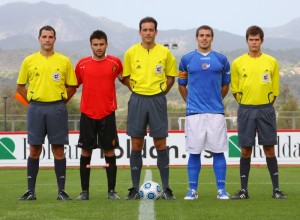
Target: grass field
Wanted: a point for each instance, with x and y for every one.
(259, 206)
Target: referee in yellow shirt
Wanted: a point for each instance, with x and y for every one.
(51, 82)
(255, 86)
(149, 70)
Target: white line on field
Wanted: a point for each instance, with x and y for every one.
(146, 210)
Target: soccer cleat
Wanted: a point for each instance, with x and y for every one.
(277, 194)
(62, 195)
(241, 194)
(167, 194)
(191, 195)
(28, 195)
(84, 195)
(113, 195)
(133, 194)
(222, 194)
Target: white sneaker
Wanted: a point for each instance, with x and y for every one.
(191, 195)
(222, 194)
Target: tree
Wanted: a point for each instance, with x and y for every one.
(287, 106)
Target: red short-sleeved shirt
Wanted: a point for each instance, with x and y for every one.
(98, 97)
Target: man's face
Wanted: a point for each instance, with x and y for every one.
(98, 47)
(148, 32)
(204, 39)
(47, 40)
(254, 43)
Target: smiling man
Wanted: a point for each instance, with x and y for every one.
(204, 77)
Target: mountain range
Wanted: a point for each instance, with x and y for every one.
(20, 23)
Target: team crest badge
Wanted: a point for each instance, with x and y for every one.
(114, 68)
(205, 66)
(56, 77)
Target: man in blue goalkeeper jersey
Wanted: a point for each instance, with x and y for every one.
(204, 77)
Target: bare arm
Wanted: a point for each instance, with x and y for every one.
(224, 90)
(170, 83)
(21, 89)
(183, 91)
(71, 90)
(126, 82)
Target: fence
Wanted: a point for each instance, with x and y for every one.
(285, 120)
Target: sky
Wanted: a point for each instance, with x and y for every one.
(233, 16)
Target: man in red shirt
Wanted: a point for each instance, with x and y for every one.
(97, 74)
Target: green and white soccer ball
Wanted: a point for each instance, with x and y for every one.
(150, 190)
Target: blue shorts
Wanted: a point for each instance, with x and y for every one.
(260, 119)
(47, 118)
(147, 110)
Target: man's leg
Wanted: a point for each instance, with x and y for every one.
(136, 164)
(33, 166)
(163, 162)
(32, 172)
(136, 161)
(85, 169)
(60, 170)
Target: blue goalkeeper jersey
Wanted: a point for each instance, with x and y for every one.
(204, 76)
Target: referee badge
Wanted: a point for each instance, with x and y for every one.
(266, 78)
(158, 69)
(56, 77)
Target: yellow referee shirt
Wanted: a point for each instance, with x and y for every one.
(148, 68)
(255, 80)
(47, 77)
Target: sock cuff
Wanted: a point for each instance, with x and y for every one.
(245, 160)
(63, 161)
(136, 153)
(85, 159)
(271, 159)
(110, 160)
(32, 160)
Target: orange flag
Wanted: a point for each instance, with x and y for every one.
(18, 97)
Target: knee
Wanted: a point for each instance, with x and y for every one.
(246, 152)
(109, 153)
(160, 144)
(35, 151)
(269, 151)
(58, 152)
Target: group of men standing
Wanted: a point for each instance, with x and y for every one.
(47, 81)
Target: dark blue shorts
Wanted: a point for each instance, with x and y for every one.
(257, 119)
(146, 111)
(47, 118)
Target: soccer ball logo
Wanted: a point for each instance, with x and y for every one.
(150, 191)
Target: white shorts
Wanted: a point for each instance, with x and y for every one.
(206, 132)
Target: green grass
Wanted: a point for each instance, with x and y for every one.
(259, 206)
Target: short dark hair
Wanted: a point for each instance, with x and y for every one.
(98, 34)
(254, 30)
(205, 27)
(47, 28)
(146, 20)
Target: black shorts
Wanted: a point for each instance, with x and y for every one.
(98, 133)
